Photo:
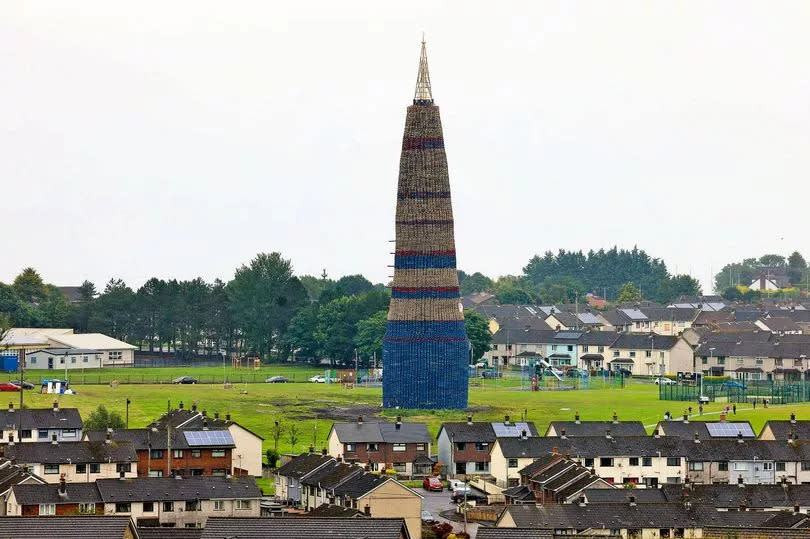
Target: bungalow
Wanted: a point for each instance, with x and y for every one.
(65, 358)
(40, 424)
(464, 446)
(403, 447)
(76, 461)
(114, 353)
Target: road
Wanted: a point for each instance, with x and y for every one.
(437, 502)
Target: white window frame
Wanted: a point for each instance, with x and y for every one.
(47, 509)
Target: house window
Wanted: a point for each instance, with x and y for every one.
(148, 507)
(349, 448)
(661, 355)
(177, 453)
(61, 361)
(25, 433)
(673, 461)
(156, 454)
(767, 466)
(420, 447)
(481, 446)
(570, 348)
(217, 453)
(95, 467)
(195, 453)
(648, 353)
(553, 347)
(33, 361)
(114, 356)
(704, 360)
(123, 508)
(646, 461)
(87, 508)
(125, 467)
(513, 463)
(81, 468)
(740, 361)
(460, 446)
(780, 466)
(372, 447)
(512, 482)
(399, 467)
(674, 480)
(743, 467)
(695, 466)
(589, 463)
(606, 462)
(243, 504)
(585, 348)
(84, 359)
(721, 361)
(600, 349)
(633, 461)
(73, 359)
(758, 361)
(192, 505)
(68, 433)
(482, 466)
(155, 473)
(51, 468)
(722, 466)
(47, 509)
(399, 447)
(196, 471)
(632, 353)
(43, 434)
(219, 505)
(168, 507)
(218, 472)
(805, 465)
(615, 353)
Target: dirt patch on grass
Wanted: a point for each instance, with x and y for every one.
(343, 413)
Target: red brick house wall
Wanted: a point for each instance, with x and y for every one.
(385, 454)
(205, 462)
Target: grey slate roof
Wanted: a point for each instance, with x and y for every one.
(781, 428)
(304, 464)
(687, 430)
(49, 493)
(173, 489)
(195, 420)
(598, 338)
(12, 474)
(71, 452)
(592, 446)
(621, 495)
(41, 418)
(142, 439)
(331, 475)
(381, 432)
(598, 428)
(731, 496)
(169, 533)
(483, 431)
(311, 528)
(645, 341)
(360, 484)
(72, 527)
(513, 533)
(334, 511)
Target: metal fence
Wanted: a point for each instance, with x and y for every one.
(775, 392)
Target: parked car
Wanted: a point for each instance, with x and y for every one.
(23, 384)
(473, 495)
(457, 485)
(185, 380)
(318, 379)
(433, 484)
(491, 374)
(277, 380)
(8, 386)
(665, 382)
(427, 517)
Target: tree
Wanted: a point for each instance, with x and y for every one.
(471, 284)
(337, 323)
(83, 308)
(370, 334)
(478, 332)
(264, 296)
(676, 286)
(292, 433)
(102, 419)
(629, 292)
(797, 267)
(510, 289)
(29, 286)
(300, 334)
(315, 285)
(54, 310)
(114, 313)
(772, 260)
(736, 274)
(348, 285)
(13, 307)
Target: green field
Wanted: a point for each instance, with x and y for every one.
(311, 408)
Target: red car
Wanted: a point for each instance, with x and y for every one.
(8, 386)
(432, 483)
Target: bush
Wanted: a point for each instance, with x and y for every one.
(272, 457)
(102, 419)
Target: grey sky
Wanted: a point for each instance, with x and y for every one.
(178, 139)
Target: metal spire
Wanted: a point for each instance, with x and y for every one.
(423, 95)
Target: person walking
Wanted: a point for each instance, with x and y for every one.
(765, 403)
(700, 407)
(755, 404)
(734, 408)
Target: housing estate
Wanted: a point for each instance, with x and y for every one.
(287, 528)
(40, 424)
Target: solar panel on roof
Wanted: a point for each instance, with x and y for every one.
(729, 430)
(512, 430)
(208, 437)
(568, 335)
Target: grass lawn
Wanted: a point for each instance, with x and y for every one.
(306, 411)
(267, 485)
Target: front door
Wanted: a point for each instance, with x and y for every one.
(50, 363)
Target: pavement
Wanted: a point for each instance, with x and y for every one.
(437, 503)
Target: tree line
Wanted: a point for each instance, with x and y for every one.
(264, 310)
(734, 280)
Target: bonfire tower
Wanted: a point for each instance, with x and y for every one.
(425, 350)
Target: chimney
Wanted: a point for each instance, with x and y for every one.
(797, 509)
(791, 436)
(615, 417)
(367, 510)
(108, 437)
(469, 420)
(607, 434)
(10, 438)
(506, 420)
(523, 435)
(743, 506)
(398, 424)
(62, 487)
(576, 417)
(739, 438)
(205, 424)
(740, 482)
(687, 484)
(205, 413)
(582, 502)
(686, 418)
(193, 406)
(562, 434)
(122, 475)
(228, 417)
(555, 450)
(55, 406)
(10, 406)
(657, 432)
(697, 438)
(359, 420)
(762, 281)
(792, 417)
(632, 499)
(180, 405)
(339, 458)
(323, 451)
(53, 439)
(312, 449)
(784, 481)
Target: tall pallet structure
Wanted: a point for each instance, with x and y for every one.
(425, 350)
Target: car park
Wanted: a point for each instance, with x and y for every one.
(432, 484)
(277, 380)
(185, 380)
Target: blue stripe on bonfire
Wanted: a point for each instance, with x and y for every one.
(424, 261)
(407, 329)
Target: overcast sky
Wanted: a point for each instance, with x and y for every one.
(179, 139)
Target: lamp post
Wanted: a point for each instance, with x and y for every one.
(127, 422)
(711, 358)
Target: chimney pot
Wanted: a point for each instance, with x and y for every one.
(367, 510)
(740, 482)
(615, 417)
(582, 500)
(216, 415)
(205, 413)
(62, 487)
(53, 439)
(360, 419)
(55, 406)
(193, 406)
(227, 417)
(10, 406)
(797, 509)
(576, 417)
(108, 437)
(323, 451)
(506, 420)
(205, 424)
(686, 418)
(607, 434)
(469, 420)
(562, 433)
(792, 418)
(523, 434)
(697, 438)
(312, 449)
(740, 437)
(180, 405)
(632, 501)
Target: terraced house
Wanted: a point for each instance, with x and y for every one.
(40, 424)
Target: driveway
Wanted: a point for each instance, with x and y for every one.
(438, 502)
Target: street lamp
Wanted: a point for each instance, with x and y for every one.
(711, 358)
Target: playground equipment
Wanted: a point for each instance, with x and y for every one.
(56, 386)
(238, 362)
